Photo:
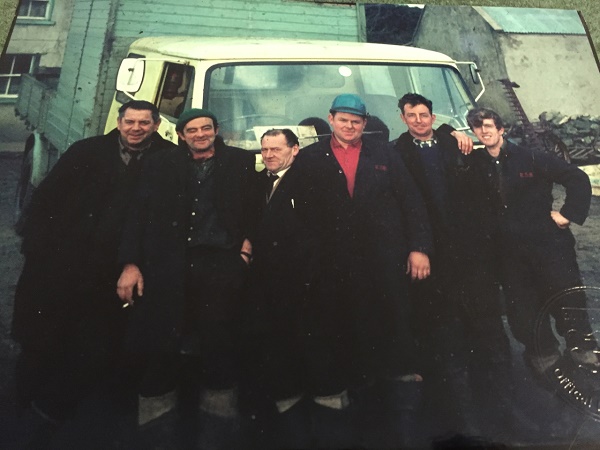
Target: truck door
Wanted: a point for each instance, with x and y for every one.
(174, 96)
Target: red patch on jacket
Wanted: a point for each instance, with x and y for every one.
(381, 167)
(526, 174)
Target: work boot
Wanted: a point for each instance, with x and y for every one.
(332, 421)
(158, 422)
(220, 424)
(152, 408)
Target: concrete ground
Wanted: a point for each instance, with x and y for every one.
(13, 131)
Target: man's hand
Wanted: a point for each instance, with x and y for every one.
(417, 266)
(561, 221)
(130, 277)
(465, 143)
(246, 250)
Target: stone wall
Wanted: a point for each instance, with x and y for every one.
(580, 133)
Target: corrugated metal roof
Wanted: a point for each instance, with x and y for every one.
(536, 20)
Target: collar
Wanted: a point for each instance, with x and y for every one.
(280, 174)
(503, 154)
(336, 146)
(127, 150)
(427, 143)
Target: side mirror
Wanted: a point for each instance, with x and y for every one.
(474, 73)
(130, 75)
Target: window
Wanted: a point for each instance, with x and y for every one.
(11, 69)
(247, 98)
(174, 94)
(34, 9)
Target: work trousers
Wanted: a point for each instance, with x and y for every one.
(214, 283)
(536, 271)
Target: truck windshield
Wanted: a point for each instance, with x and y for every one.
(248, 99)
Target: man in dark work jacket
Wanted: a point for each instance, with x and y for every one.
(372, 229)
(67, 317)
(536, 246)
(185, 252)
(457, 314)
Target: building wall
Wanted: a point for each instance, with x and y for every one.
(555, 72)
(73, 109)
(48, 38)
(461, 33)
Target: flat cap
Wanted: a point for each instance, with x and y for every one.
(191, 114)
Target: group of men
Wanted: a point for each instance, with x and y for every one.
(311, 304)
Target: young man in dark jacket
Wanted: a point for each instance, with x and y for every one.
(536, 245)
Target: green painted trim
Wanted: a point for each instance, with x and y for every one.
(8, 100)
(45, 22)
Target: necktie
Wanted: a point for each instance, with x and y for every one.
(134, 161)
(269, 185)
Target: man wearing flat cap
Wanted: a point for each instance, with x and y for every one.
(185, 254)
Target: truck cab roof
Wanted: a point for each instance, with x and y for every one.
(218, 48)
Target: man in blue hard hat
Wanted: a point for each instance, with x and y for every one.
(372, 231)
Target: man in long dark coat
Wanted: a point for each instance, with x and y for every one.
(372, 229)
(280, 278)
(185, 253)
(67, 317)
(457, 310)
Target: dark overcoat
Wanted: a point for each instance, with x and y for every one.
(462, 229)
(280, 277)
(363, 243)
(283, 246)
(155, 235)
(71, 237)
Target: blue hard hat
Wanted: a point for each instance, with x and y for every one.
(349, 103)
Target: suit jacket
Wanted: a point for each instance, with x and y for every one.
(283, 246)
(155, 235)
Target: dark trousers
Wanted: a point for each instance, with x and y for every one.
(357, 326)
(463, 347)
(274, 335)
(534, 273)
(215, 278)
(77, 346)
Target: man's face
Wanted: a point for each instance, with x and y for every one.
(276, 154)
(488, 134)
(347, 128)
(419, 121)
(136, 127)
(199, 134)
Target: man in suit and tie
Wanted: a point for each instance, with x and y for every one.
(283, 252)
